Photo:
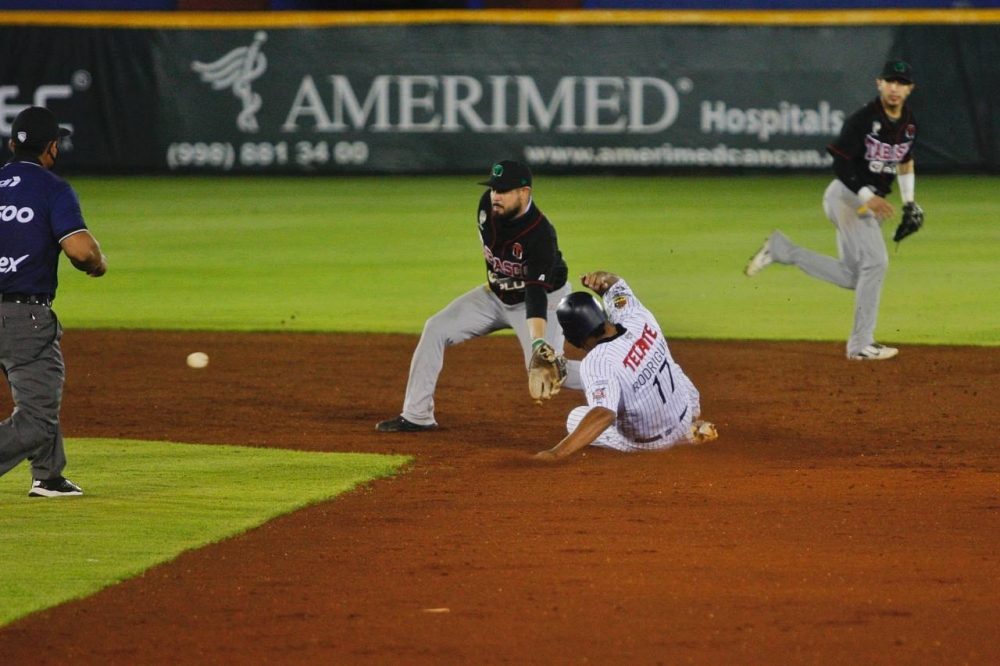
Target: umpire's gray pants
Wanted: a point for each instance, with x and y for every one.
(33, 364)
(472, 315)
(861, 266)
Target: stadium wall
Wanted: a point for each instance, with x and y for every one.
(449, 91)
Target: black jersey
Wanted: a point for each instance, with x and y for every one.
(871, 146)
(520, 253)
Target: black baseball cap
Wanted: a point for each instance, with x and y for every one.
(897, 70)
(508, 175)
(35, 127)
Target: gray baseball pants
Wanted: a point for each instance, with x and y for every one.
(861, 266)
(472, 315)
(33, 364)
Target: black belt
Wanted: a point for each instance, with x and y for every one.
(28, 299)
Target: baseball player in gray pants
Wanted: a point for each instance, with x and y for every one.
(526, 278)
(874, 147)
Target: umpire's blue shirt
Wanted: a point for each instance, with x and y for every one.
(38, 209)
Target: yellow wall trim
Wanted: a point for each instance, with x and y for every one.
(294, 19)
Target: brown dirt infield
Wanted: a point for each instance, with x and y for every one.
(849, 513)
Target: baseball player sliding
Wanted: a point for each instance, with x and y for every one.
(526, 278)
(638, 398)
(875, 147)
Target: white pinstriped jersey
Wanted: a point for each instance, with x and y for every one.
(635, 376)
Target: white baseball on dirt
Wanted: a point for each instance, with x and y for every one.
(197, 359)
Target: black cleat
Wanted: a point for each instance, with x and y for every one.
(57, 487)
(399, 424)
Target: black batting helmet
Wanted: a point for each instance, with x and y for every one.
(580, 316)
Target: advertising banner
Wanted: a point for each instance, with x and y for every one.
(429, 98)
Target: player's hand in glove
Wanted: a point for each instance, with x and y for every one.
(546, 372)
(913, 219)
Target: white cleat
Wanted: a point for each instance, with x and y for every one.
(761, 260)
(874, 352)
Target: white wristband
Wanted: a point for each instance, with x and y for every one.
(865, 194)
(906, 181)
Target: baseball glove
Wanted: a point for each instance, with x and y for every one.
(913, 219)
(546, 373)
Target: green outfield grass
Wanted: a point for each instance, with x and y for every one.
(382, 254)
(188, 496)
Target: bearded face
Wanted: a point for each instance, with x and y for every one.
(510, 204)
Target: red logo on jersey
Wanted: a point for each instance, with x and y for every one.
(619, 302)
(501, 267)
(641, 347)
(517, 251)
(876, 151)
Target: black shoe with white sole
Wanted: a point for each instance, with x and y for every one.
(399, 424)
(57, 487)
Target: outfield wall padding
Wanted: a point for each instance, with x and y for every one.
(452, 97)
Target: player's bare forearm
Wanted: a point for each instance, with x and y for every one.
(599, 281)
(596, 421)
(536, 327)
(96, 266)
(84, 252)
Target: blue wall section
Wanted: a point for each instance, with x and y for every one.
(103, 5)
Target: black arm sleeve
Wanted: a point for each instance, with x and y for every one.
(536, 301)
(846, 149)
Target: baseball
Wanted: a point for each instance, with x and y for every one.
(197, 359)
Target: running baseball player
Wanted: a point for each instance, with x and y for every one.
(526, 278)
(39, 219)
(638, 398)
(874, 148)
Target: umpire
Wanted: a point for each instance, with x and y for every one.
(39, 217)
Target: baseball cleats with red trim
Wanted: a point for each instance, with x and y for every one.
(874, 352)
(761, 260)
(399, 424)
(57, 487)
